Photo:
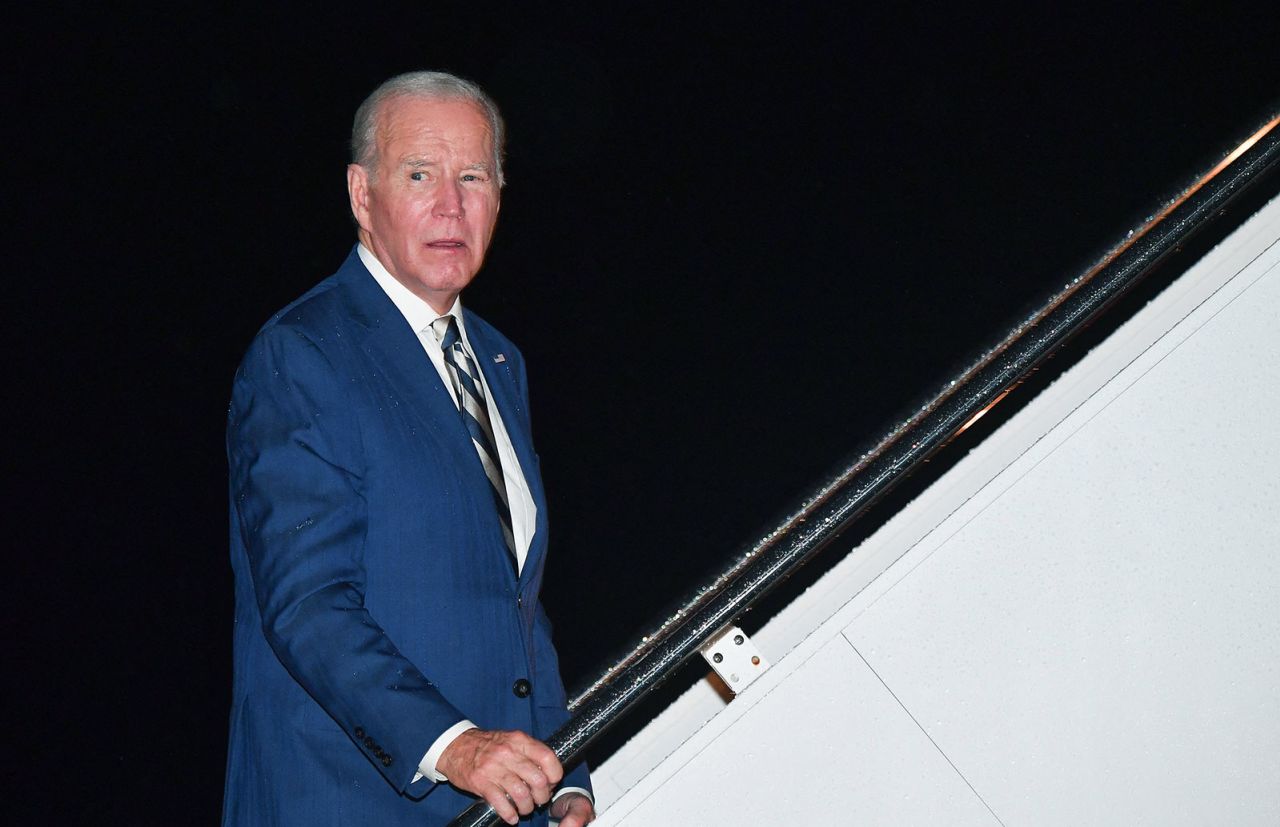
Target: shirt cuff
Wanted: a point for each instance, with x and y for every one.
(578, 790)
(427, 766)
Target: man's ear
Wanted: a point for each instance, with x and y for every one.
(358, 193)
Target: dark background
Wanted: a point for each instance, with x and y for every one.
(736, 246)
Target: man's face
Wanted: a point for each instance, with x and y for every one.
(428, 212)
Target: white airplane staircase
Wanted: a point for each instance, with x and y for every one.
(1078, 624)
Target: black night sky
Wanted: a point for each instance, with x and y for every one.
(736, 245)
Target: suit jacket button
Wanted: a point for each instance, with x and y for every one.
(522, 688)
(369, 742)
(360, 733)
(386, 760)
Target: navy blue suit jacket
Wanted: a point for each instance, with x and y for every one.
(376, 603)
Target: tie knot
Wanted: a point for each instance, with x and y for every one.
(446, 330)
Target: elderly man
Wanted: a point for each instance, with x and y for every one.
(388, 521)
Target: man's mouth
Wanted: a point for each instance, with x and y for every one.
(446, 243)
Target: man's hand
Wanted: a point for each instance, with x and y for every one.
(509, 770)
(573, 810)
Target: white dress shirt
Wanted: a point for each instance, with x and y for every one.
(524, 511)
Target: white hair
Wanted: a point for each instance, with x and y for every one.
(432, 86)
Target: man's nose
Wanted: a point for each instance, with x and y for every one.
(449, 202)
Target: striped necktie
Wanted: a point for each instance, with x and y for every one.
(475, 415)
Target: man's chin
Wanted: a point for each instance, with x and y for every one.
(440, 287)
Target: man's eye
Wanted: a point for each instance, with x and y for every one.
(472, 177)
(417, 176)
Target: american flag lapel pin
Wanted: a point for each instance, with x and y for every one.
(499, 359)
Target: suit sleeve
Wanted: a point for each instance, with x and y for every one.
(295, 460)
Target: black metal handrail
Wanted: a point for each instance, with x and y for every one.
(837, 504)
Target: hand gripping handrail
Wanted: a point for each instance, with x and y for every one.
(845, 498)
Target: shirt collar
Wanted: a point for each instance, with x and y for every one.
(416, 312)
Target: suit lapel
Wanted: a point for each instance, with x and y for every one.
(506, 399)
(407, 369)
(396, 352)
(394, 348)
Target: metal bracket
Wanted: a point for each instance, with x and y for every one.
(734, 658)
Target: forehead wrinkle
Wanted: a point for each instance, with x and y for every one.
(421, 162)
(395, 125)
